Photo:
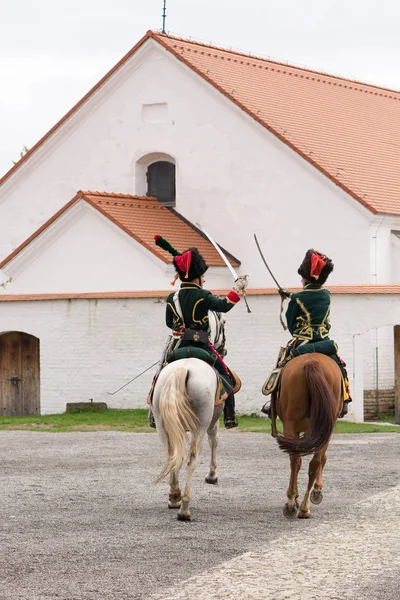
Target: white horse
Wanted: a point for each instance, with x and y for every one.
(184, 410)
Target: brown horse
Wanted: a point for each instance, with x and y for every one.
(310, 401)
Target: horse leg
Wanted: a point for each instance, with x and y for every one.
(316, 494)
(291, 507)
(174, 499)
(316, 464)
(184, 511)
(213, 441)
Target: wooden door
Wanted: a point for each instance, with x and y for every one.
(19, 374)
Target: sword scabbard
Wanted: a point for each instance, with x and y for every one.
(246, 303)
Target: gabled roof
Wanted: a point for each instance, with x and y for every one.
(348, 130)
(141, 218)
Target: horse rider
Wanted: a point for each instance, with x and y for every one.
(308, 318)
(187, 311)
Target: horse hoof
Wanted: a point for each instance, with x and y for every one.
(290, 513)
(183, 517)
(211, 480)
(316, 496)
(304, 515)
(174, 504)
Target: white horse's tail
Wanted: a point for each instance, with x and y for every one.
(178, 417)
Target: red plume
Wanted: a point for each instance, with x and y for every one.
(317, 264)
(184, 261)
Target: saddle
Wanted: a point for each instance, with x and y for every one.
(227, 384)
(272, 383)
(191, 352)
(327, 347)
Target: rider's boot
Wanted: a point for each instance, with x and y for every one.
(151, 420)
(345, 409)
(229, 412)
(266, 408)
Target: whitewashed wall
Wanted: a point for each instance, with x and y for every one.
(395, 258)
(232, 174)
(89, 347)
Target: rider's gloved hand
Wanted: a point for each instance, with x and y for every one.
(241, 283)
(284, 294)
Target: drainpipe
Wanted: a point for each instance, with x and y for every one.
(375, 276)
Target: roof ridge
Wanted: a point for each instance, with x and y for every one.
(117, 195)
(258, 57)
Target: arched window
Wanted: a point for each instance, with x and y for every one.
(161, 182)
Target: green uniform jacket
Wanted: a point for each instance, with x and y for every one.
(307, 318)
(308, 313)
(195, 303)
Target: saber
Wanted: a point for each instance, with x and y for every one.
(235, 276)
(280, 289)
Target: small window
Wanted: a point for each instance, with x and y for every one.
(161, 182)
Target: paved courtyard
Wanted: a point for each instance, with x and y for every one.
(81, 519)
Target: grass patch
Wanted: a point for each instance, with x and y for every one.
(345, 427)
(136, 421)
(103, 420)
(386, 417)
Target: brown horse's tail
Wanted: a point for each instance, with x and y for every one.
(323, 414)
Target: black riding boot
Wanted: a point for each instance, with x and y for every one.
(229, 412)
(266, 408)
(345, 409)
(151, 420)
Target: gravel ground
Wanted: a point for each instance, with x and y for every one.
(81, 519)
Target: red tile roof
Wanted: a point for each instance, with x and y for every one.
(346, 129)
(141, 218)
(338, 289)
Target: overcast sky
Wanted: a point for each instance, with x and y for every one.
(53, 51)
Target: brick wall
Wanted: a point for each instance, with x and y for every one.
(91, 347)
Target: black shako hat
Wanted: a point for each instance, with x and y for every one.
(189, 265)
(316, 267)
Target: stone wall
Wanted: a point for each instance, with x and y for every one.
(385, 400)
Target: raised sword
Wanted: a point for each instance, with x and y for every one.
(283, 294)
(235, 276)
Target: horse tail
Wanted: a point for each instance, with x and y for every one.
(177, 417)
(323, 414)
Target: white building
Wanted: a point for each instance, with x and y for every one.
(239, 143)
